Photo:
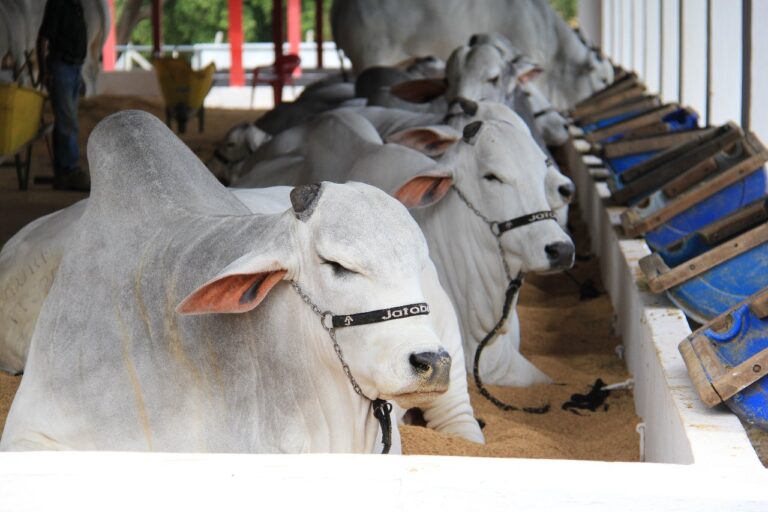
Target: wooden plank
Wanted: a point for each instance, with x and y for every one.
(696, 360)
(660, 176)
(619, 85)
(758, 303)
(634, 145)
(664, 280)
(610, 101)
(736, 223)
(635, 225)
(639, 103)
(727, 134)
(650, 117)
(742, 375)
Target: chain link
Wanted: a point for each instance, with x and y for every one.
(494, 227)
(332, 333)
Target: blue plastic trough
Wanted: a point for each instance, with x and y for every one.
(727, 360)
(713, 292)
(723, 203)
(679, 120)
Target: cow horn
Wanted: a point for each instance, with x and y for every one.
(470, 131)
(304, 199)
(468, 106)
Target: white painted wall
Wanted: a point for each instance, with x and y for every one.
(694, 55)
(725, 87)
(759, 110)
(670, 50)
(651, 69)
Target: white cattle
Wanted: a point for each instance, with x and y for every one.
(30, 260)
(497, 167)
(22, 20)
(379, 33)
(187, 337)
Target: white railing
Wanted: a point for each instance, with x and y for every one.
(254, 54)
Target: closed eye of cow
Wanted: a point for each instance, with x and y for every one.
(492, 177)
(338, 268)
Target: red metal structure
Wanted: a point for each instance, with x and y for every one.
(109, 53)
(237, 74)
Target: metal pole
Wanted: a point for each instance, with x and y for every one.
(157, 28)
(319, 32)
(746, 64)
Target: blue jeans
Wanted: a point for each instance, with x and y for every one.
(65, 93)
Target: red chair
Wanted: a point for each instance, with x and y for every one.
(277, 75)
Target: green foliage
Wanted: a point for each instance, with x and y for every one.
(197, 21)
(567, 9)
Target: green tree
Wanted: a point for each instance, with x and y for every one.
(197, 21)
(567, 9)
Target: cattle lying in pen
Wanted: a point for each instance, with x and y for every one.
(492, 173)
(180, 321)
(29, 261)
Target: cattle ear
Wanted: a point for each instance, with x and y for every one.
(433, 141)
(425, 189)
(236, 290)
(420, 91)
(529, 74)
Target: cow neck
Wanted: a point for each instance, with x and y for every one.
(495, 230)
(381, 409)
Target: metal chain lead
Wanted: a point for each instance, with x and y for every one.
(512, 289)
(332, 333)
(493, 225)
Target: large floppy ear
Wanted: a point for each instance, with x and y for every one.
(424, 189)
(238, 288)
(433, 141)
(529, 74)
(420, 91)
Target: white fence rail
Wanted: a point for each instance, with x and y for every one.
(254, 54)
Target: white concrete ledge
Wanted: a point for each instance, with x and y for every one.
(679, 428)
(713, 466)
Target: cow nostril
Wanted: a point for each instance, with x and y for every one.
(560, 254)
(422, 362)
(566, 190)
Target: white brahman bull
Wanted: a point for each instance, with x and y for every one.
(30, 260)
(20, 22)
(186, 334)
(375, 33)
(497, 167)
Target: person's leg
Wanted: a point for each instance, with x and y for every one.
(65, 80)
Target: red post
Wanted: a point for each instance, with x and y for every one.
(236, 73)
(277, 39)
(109, 53)
(319, 32)
(294, 29)
(157, 28)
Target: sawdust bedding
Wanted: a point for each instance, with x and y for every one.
(569, 339)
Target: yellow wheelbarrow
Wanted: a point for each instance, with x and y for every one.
(21, 124)
(184, 90)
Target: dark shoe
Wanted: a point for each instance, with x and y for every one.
(78, 180)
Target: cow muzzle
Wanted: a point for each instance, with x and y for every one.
(432, 369)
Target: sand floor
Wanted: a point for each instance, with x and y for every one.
(571, 340)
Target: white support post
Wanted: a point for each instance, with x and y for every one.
(670, 51)
(652, 44)
(694, 56)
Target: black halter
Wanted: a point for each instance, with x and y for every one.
(498, 229)
(381, 408)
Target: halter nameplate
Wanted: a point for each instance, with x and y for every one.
(502, 227)
(380, 315)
